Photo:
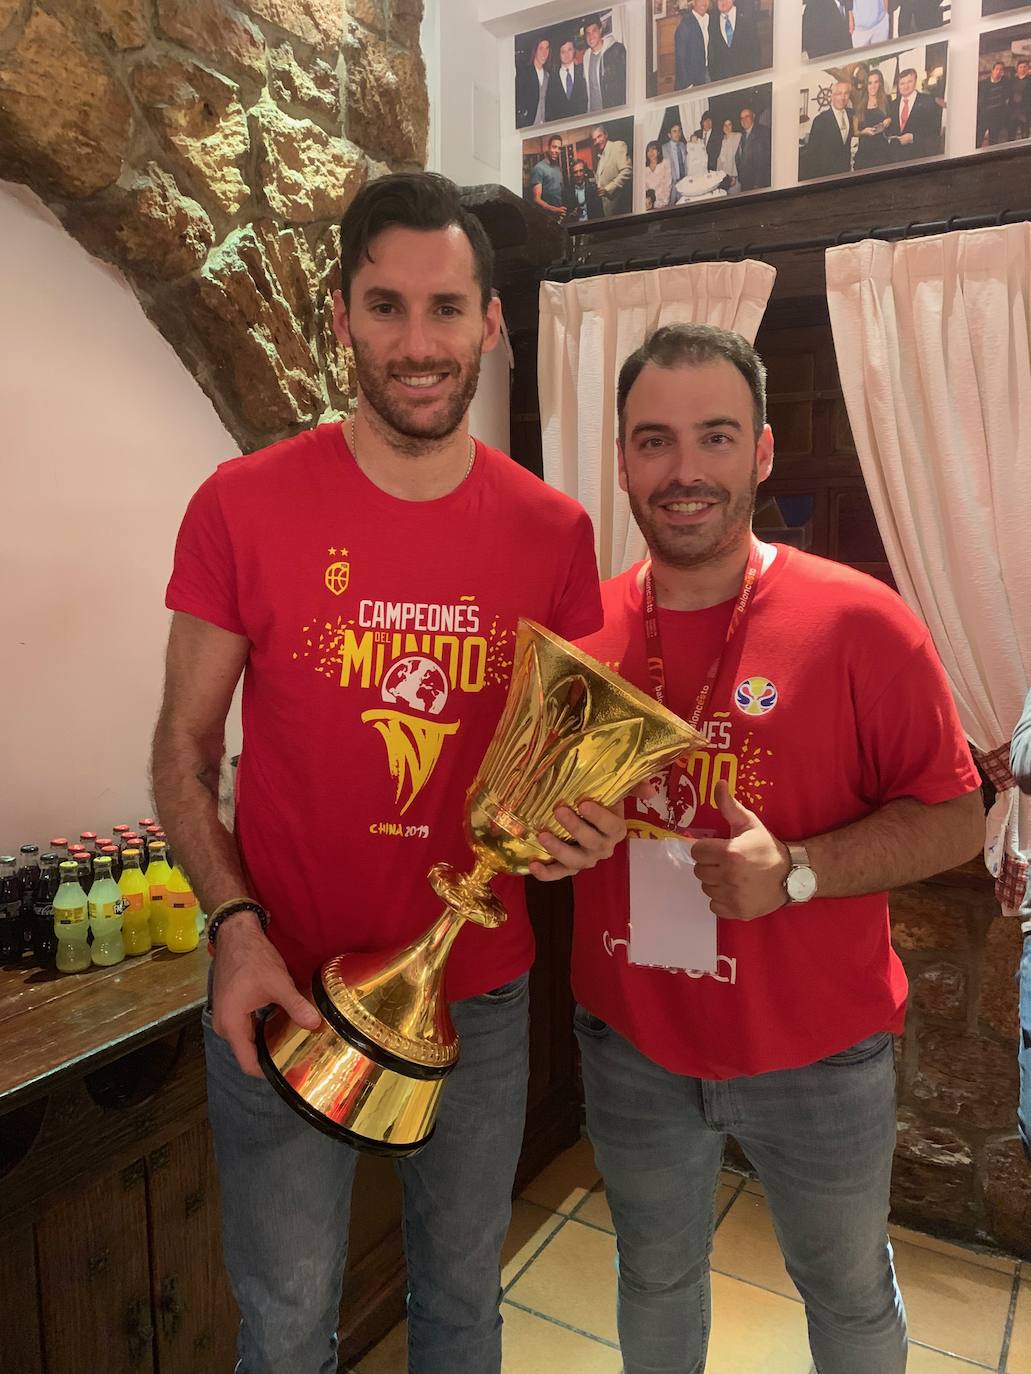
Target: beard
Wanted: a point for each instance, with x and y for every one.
(414, 426)
(693, 546)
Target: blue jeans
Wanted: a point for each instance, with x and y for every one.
(286, 1198)
(821, 1140)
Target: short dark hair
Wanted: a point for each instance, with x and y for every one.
(411, 200)
(909, 71)
(694, 345)
(592, 21)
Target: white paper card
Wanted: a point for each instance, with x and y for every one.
(671, 924)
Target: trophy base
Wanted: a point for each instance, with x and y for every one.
(346, 1086)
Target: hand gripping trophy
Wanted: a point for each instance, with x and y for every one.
(373, 1073)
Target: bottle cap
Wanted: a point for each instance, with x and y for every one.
(147, 820)
(48, 858)
(121, 829)
(111, 850)
(60, 843)
(7, 859)
(69, 867)
(30, 849)
(87, 835)
(103, 841)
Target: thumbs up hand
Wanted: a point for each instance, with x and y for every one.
(743, 876)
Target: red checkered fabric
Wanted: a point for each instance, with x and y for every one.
(1011, 882)
(995, 765)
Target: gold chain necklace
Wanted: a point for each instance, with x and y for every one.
(354, 448)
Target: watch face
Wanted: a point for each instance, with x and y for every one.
(801, 884)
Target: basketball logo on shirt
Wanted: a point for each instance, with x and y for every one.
(755, 696)
(338, 574)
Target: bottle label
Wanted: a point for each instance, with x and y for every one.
(158, 894)
(133, 901)
(70, 916)
(121, 905)
(102, 909)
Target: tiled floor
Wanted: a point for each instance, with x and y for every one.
(967, 1310)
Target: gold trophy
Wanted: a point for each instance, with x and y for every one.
(373, 1073)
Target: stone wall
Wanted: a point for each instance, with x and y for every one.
(208, 148)
(959, 1167)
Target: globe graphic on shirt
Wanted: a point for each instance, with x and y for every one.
(416, 682)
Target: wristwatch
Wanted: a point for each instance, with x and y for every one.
(800, 884)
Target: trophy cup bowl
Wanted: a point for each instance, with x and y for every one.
(373, 1073)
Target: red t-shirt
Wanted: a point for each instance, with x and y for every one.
(381, 636)
(830, 703)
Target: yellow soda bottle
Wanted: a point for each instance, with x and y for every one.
(71, 921)
(135, 892)
(158, 875)
(105, 915)
(181, 918)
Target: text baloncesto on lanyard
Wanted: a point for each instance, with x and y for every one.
(653, 641)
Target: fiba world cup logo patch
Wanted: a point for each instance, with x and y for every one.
(755, 696)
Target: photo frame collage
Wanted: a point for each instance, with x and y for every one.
(873, 96)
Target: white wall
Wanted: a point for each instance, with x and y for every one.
(105, 437)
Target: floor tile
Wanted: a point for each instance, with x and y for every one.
(924, 1361)
(574, 1280)
(755, 1331)
(1019, 1361)
(530, 1228)
(953, 1305)
(745, 1246)
(595, 1210)
(390, 1356)
(564, 1182)
(532, 1345)
(1002, 1263)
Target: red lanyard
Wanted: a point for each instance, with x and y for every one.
(653, 642)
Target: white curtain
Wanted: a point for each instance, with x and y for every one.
(587, 329)
(933, 340)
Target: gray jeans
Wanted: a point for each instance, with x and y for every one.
(821, 1139)
(286, 1198)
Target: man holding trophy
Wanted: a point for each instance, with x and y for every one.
(367, 579)
(732, 963)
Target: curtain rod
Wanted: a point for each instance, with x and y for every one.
(565, 271)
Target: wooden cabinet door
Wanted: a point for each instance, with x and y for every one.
(195, 1317)
(20, 1348)
(94, 1280)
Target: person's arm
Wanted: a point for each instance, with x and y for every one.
(203, 666)
(625, 170)
(901, 842)
(538, 199)
(1020, 748)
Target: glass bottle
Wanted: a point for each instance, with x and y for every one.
(135, 892)
(10, 909)
(158, 875)
(111, 852)
(44, 941)
(88, 840)
(71, 921)
(105, 915)
(181, 918)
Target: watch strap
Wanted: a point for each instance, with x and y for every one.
(798, 854)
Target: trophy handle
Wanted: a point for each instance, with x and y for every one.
(469, 894)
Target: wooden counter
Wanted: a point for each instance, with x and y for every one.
(110, 1252)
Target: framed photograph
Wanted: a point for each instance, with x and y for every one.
(700, 41)
(1004, 87)
(705, 147)
(571, 69)
(842, 26)
(580, 174)
(990, 7)
(882, 111)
